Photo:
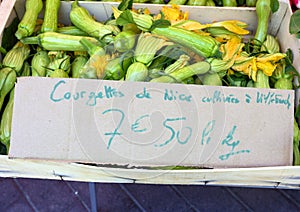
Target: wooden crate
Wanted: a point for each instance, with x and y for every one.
(285, 177)
(266, 177)
(6, 7)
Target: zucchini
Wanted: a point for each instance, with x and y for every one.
(54, 41)
(51, 16)
(83, 20)
(205, 46)
(27, 25)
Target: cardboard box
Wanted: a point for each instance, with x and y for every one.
(187, 125)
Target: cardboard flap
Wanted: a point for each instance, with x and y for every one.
(151, 124)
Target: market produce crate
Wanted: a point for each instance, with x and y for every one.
(81, 161)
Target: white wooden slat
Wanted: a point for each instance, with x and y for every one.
(6, 7)
(268, 177)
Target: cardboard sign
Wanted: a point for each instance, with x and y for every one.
(151, 124)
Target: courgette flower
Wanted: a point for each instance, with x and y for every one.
(232, 48)
(230, 51)
(246, 64)
(271, 57)
(267, 63)
(173, 14)
(267, 67)
(234, 26)
(180, 19)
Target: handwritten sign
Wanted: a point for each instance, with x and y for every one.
(151, 124)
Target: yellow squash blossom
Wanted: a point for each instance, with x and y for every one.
(271, 57)
(231, 50)
(190, 25)
(173, 14)
(267, 67)
(180, 19)
(234, 26)
(267, 62)
(249, 65)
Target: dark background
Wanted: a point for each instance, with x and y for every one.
(19, 194)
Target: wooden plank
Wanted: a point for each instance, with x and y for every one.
(266, 177)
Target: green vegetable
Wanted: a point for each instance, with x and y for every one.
(250, 84)
(83, 20)
(8, 78)
(218, 65)
(50, 16)
(59, 73)
(113, 69)
(39, 63)
(61, 62)
(124, 41)
(270, 45)
(189, 80)
(229, 3)
(241, 2)
(131, 27)
(77, 65)
(93, 68)
(178, 64)
(212, 79)
(262, 80)
(54, 41)
(16, 56)
(251, 3)
(205, 46)
(91, 47)
(294, 25)
(165, 57)
(27, 25)
(219, 31)
(147, 46)
(143, 22)
(157, 1)
(263, 12)
(237, 79)
(196, 2)
(183, 73)
(284, 83)
(137, 71)
(127, 58)
(177, 2)
(6, 121)
(2, 51)
(71, 30)
(26, 71)
(140, 1)
(296, 139)
(157, 69)
(210, 3)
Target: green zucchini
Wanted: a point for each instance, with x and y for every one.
(27, 25)
(50, 16)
